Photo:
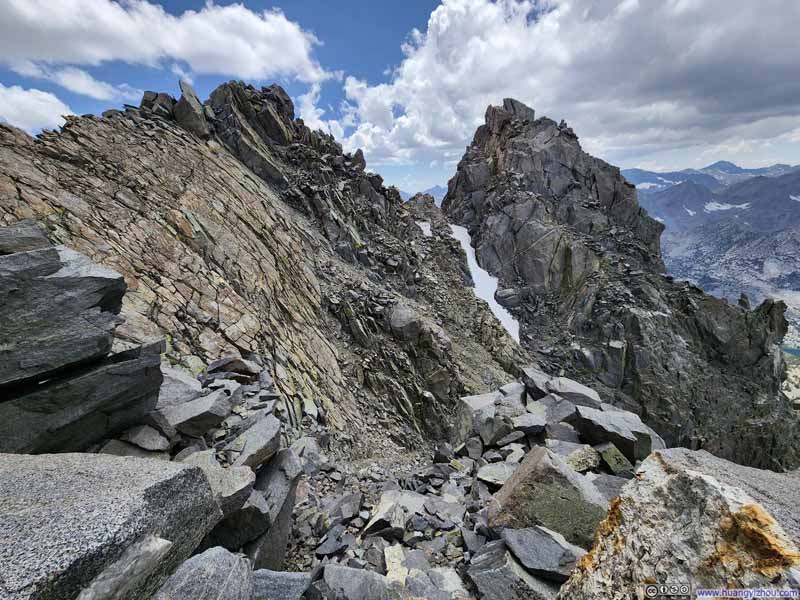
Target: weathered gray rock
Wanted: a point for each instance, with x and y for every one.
(543, 552)
(580, 457)
(540, 385)
(146, 438)
(22, 236)
(609, 486)
(574, 392)
(198, 416)
(243, 525)
(530, 423)
(231, 486)
(472, 413)
(279, 585)
(405, 323)
(258, 443)
(189, 112)
(359, 162)
(391, 502)
(497, 474)
(518, 110)
(624, 429)
(212, 575)
(120, 448)
(681, 520)
(614, 459)
(59, 310)
(556, 408)
(546, 491)
(72, 412)
(130, 573)
(160, 103)
(234, 364)
(345, 583)
(69, 517)
(278, 482)
(177, 387)
(498, 576)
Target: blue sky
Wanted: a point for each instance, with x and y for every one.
(660, 85)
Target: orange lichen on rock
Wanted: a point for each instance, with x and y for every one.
(608, 527)
(752, 541)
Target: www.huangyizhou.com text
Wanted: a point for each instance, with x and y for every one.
(747, 593)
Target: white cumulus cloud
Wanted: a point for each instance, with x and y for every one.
(78, 81)
(632, 77)
(31, 109)
(229, 40)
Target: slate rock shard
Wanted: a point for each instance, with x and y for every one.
(211, 575)
(189, 112)
(69, 413)
(689, 516)
(566, 231)
(69, 517)
(59, 310)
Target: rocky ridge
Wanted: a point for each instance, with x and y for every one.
(581, 265)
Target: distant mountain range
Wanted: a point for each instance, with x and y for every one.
(715, 176)
(730, 229)
(437, 191)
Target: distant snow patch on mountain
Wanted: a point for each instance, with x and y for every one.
(691, 212)
(716, 206)
(795, 198)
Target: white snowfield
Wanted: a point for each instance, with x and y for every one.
(795, 198)
(715, 206)
(691, 212)
(426, 228)
(485, 284)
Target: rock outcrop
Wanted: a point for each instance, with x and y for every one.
(692, 518)
(566, 236)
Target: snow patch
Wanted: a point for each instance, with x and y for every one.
(691, 212)
(647, 185)
(485, 283)
(426, 228)
(795, 198)
(716, 206)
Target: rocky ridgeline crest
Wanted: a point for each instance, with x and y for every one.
(245, 356)
(581, 267)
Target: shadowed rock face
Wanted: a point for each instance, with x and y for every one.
(564, 232)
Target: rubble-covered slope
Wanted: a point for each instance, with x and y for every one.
(581, 265)
(239, 230)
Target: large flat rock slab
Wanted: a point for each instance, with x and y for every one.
(70, 413)
(58, 309)
(68, 518)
